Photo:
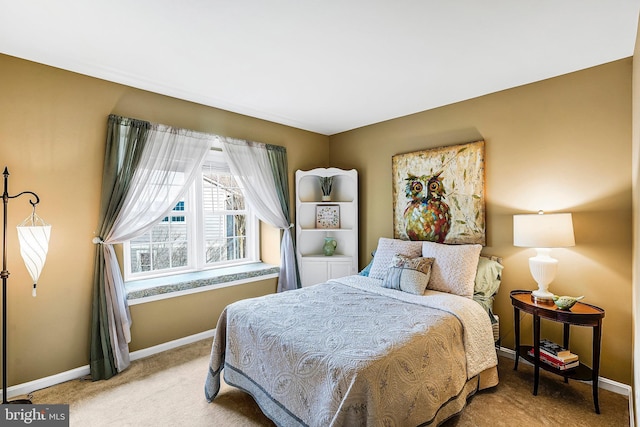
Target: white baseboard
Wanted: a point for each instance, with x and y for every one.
(150, 351)
(26, 388)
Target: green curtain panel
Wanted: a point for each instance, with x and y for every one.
(279, 168)
(125, 142)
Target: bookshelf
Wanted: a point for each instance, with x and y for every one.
(315, 267)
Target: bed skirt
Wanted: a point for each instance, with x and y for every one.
(486, 379)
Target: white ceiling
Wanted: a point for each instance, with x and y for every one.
(325, 66)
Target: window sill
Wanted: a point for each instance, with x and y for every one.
(147, 290)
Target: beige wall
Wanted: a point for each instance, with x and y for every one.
(635, 171)
(562, 144)
(52, 137)
(170, 319)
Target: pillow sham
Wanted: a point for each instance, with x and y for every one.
(454, 269)
(387, 248)
(409, 275)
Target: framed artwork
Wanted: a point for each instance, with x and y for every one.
(327, 216)
(438, 194)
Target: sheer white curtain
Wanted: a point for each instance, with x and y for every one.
(250, 164)
(171, 160)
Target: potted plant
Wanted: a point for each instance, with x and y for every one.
(326, 183)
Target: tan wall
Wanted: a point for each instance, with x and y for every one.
(52, 138)
(563, 144)
(636, 221)
(155, 323)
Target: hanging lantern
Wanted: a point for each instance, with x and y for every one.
(33, 234)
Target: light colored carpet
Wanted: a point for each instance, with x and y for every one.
(168, 390)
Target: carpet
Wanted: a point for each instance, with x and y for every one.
(167, 389)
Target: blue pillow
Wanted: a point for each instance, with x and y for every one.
(365, 271)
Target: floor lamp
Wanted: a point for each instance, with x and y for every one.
(33, 235)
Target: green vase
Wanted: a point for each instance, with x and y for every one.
(329, 246)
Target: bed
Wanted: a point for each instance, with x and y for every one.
(384, 347)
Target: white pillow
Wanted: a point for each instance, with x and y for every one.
(387, 248)
(454, 270)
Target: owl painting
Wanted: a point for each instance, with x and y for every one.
(426, 216)
(423, 210)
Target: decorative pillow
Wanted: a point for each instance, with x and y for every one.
(387, 248)
(419, 263)
(408, 274)
(454, 270)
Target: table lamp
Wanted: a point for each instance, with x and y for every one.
(543, 232)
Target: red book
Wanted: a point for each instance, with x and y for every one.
(556, 363)
(560, 359)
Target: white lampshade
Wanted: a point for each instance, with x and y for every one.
(33, 235)
(543, 232)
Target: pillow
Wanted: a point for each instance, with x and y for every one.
(454, 270)
(365, 271)
(408, 274)
(488, 276)
(387, 248)
(487, 283)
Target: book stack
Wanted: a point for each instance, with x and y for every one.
(555, 355)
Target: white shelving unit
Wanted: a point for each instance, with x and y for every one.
(314, 266)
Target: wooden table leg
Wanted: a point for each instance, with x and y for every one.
(597, 336)
(536, 353)
(565, 342)
(516, 323)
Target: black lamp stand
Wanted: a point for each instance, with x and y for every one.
(4, 274)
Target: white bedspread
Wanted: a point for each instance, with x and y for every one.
(478, 334)
(349, 352)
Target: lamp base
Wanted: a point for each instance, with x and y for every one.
(543, 269)
(542, 297)
(19, 402)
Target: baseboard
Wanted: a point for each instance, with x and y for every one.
(26, 388)
(31, 386)
(150, 351)
(603, 383)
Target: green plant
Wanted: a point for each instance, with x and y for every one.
(326, 182)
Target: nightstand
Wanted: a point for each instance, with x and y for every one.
(580, 314)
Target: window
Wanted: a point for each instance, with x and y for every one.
(164, 247)
(211, 227)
